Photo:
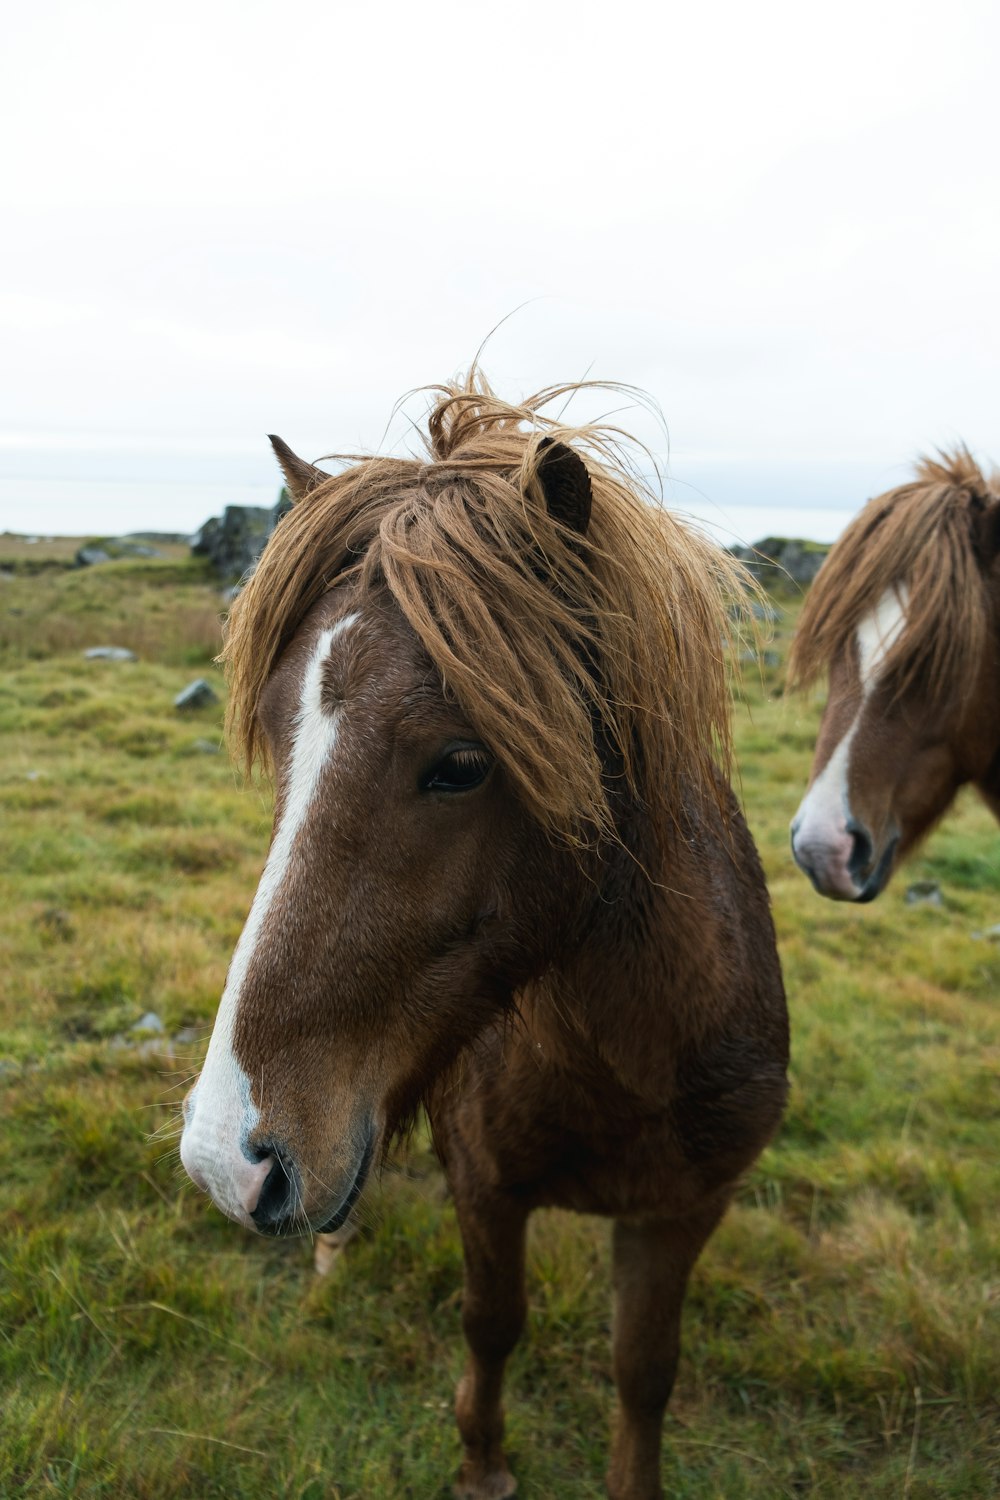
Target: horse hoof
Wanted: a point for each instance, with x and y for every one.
(498, 1484)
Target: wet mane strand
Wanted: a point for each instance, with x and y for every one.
(537, 635)
(921, 536)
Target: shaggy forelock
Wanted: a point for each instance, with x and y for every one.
(548, 643)
(920, 536)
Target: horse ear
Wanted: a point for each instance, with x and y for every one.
(565, 484)
(986, 533)
(300, 477)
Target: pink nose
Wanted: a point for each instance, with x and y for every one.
(824, 852)
(251, 1182)
(233, 1182)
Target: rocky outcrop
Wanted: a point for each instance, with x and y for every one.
(233, 541)
(114, 549)
(780, 561)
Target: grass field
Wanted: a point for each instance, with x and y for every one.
(842, 1333)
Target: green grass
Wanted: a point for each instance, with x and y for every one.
(842, 1334)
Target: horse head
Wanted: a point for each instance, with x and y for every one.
(905, 614)
(406, 893)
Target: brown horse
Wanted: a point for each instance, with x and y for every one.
(506, 880)
(905, 613)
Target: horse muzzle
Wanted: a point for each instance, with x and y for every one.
(842, 862)
(280, 1209)
(263, 1184)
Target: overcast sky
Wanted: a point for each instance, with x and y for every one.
(220, 220)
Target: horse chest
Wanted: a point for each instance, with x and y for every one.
(549, 1139)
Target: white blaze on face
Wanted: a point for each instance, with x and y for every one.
(220, 1114)
(820, 836)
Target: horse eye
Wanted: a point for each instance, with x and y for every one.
(461, 769)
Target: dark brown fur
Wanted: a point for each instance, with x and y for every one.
(588, 1001)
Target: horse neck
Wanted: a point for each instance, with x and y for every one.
(644, 979)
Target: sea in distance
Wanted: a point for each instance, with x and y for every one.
(63, 490)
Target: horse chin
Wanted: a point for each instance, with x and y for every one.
(879, 877)
(343, 1213)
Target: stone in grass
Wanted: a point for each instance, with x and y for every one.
(924, 893)
(149, 1022)
(197, 694)
(990, 934)
(146, 1038)
(206, 747)
(110, 653)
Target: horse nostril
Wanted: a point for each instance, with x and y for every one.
(276, 1203)
(862, 850)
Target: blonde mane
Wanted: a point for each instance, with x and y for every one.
(921, 536)
(541, 637)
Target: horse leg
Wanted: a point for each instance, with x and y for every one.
(329, 1247)
(652, 1262)
(493, 1312)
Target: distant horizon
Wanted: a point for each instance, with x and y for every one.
(92, 491)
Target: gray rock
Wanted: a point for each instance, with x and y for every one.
(207, 747)
(149, 1022)
(110, 653)
(233, 541)
(197, 694)
(113, 549)
(780, 560)
(187, 1035)
(989, 934)
(924, 893)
